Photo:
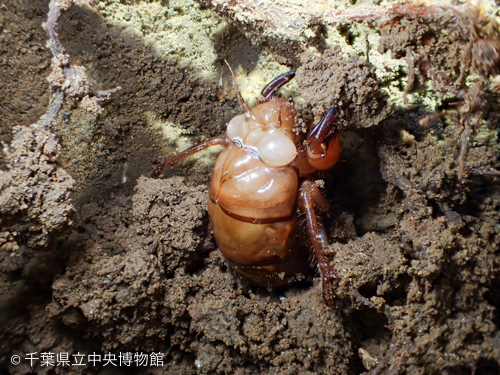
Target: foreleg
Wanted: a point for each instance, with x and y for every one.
(276, 84)
(323, 144)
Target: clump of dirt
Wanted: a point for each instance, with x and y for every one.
(35, 201)
(380, 255)
(349, 83)
(177, 224)
(415, 34)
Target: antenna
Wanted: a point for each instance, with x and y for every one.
(242, 101)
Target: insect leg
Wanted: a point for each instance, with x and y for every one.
(323, 146)
(319, 132)
(276, 84)
(310, 195)
(218, 141)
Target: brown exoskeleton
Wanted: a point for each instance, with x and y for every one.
(255, 187)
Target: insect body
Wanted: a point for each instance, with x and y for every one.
(255, 188)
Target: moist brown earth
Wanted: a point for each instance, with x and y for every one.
(95, 256)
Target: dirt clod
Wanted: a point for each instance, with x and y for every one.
(332, 79)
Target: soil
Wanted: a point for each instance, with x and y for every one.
(97, 257)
